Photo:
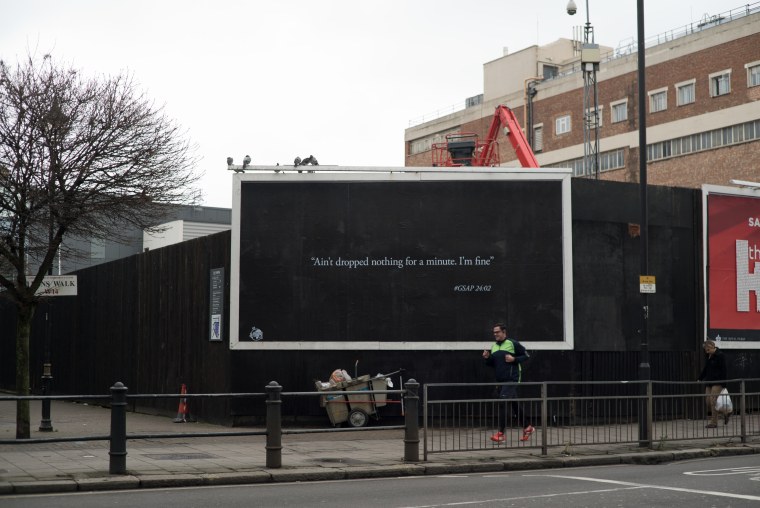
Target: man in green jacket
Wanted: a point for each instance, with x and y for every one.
(506, 356)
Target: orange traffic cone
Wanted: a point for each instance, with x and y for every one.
(182, 409)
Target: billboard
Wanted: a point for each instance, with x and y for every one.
(400, 259)
(731, 223)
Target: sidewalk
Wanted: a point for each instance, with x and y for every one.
(174, 462)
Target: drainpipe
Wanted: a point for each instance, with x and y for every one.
(525, 104)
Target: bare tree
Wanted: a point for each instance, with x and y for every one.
(78, 156)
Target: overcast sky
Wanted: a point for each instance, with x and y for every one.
(337, 79)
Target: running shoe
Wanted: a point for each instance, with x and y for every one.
(498, 437)
(527, 432)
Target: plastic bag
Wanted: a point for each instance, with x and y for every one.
(723, 403)
(388, 381)
(339, 375)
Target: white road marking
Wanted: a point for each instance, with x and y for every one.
(660, 487)
(504, 499)
(727, 471)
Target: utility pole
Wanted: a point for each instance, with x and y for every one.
(644, 368)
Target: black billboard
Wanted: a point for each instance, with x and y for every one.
(408, 263)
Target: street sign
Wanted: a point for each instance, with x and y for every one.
(647, 284)
(216, 303)
(56, 285)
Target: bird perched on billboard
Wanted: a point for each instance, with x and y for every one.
(310, 160)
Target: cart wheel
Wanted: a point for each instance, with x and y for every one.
(358, 418)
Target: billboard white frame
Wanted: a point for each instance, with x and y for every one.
(286, 174)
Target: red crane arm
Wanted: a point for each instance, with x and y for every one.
(504, 117)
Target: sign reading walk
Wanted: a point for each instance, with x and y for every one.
(56, 285)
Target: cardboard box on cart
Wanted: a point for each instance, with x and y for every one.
(358, 401)
(334, 402)
(370, 402)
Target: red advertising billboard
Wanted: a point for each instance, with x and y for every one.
(732, 265)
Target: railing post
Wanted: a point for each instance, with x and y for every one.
(274, 425)
(644, 404)
(544, 419)
(411, 421)
(118, 452)
(46, 424)
(742, 412)
(650, 412)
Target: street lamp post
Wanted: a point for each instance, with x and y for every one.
(47, 364)
(644, 368)
(590, 58)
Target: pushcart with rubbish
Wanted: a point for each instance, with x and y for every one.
(356, 409)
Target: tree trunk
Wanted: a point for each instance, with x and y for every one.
(23, 329)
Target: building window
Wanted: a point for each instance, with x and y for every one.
(685, 92)
(475, 100)
(720, 83)
(590, 117)
(550, 71)
(425, 144)
(607, 162)
(419, 146)
(753, 74)
(715, 138)
(619, 111)
(612, 160)
(538, 138)
(658, 100)
(562, 125)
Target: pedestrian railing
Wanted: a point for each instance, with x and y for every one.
(463, 417)
(272, 397)
(460, 417)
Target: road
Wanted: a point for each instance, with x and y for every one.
(721, 481)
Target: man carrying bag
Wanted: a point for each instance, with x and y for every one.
(714, 375)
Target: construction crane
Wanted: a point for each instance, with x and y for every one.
(465, 149)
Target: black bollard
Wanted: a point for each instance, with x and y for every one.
(118, 452)
(46, 425)
(411, 421)
(274, 425)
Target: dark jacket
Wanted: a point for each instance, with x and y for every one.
(715, 369)
(503, 370)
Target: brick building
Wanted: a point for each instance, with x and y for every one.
(703, 105)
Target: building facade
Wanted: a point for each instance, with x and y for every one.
(183, 223)
(703, 106)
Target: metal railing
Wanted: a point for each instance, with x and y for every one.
(273, 398)
(456, 417)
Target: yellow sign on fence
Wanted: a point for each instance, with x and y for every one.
(647, 284)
